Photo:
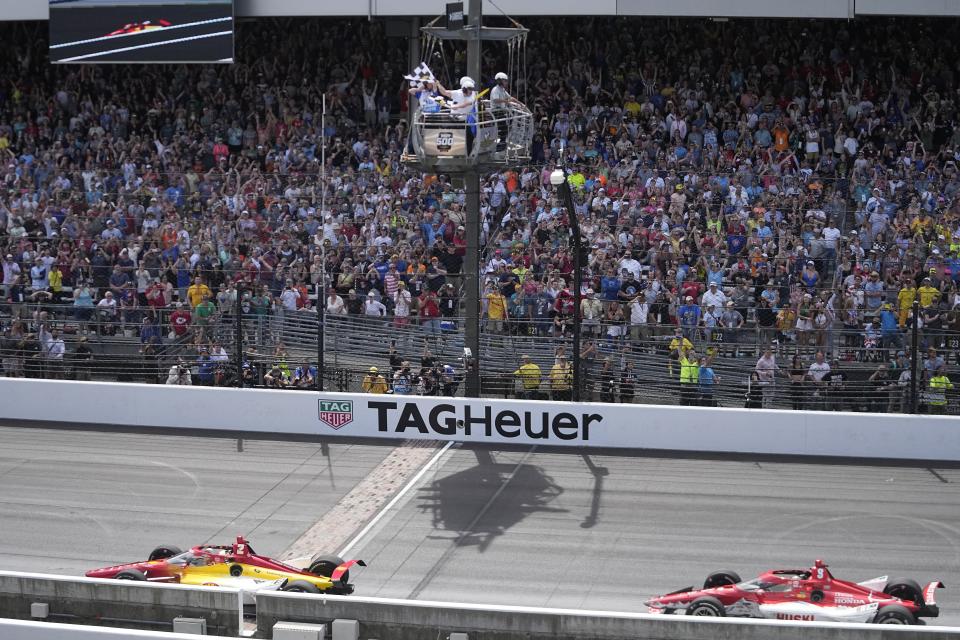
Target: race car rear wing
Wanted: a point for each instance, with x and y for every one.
(343, 568)
(929, 592)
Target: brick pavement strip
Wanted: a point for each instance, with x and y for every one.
(358, 507)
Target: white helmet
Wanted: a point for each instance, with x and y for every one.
(500, 76)
(466, 82)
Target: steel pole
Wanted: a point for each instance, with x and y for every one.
(471, 285)
(238, 339)
(413, 57)
(567, 196)
(471, 261)
(914, 356)
(322, 289)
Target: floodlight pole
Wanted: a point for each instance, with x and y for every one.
(471, 262)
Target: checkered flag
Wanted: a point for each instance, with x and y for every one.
(421, 73)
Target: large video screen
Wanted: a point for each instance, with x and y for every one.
(141, 31)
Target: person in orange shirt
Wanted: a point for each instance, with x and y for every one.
(781, 137)
(169, 236)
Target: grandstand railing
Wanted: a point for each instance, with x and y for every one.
(637, 366)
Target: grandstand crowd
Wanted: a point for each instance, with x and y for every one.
(774, 183)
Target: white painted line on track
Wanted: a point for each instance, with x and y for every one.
(140, 33)
(145, 46)
(399, 496)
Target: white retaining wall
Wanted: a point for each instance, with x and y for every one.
(694, 429)
(31, 630)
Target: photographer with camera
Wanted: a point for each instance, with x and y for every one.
(180, 375)
(403, 380)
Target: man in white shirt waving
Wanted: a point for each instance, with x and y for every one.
(463, 106)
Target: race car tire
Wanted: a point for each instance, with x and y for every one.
(706, 606)
(301, 586)
(905, 589)
(321, 565)
(894, 614)
(164, 551)
(130, 574)
(721, 578)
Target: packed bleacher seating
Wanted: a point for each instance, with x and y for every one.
(748, 190)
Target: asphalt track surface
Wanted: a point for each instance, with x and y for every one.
(534, 528)
(75, 500)
(201, 32)
(525, 526)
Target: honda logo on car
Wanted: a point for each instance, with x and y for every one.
(482, 421)
(336, 413)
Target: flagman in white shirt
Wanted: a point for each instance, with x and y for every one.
(463, 106)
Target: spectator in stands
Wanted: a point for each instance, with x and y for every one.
(205, 368)
(707, 381)
(836, 392)
(766, 370)
(180, 321)
(82, 359)
(107, 314)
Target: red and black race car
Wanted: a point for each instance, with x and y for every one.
(804, 594)
(238, 566)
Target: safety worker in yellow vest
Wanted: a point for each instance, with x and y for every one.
(937, 392)
(689, 377)
(561, 379)
(373, 382)
(529, 375)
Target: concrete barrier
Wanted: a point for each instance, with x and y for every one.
(119, 603)
(415, 620)
(649, 427)
(31, 630)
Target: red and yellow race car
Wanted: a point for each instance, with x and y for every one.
(235, 565)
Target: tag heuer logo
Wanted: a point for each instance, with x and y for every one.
(336, 413)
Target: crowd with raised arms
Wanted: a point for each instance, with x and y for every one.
(772, 180)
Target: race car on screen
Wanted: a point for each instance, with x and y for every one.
(804, 594)
(238, 566)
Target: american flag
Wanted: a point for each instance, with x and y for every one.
(415, 77)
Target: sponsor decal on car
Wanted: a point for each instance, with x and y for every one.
(483, 421)
(849, 600)
(795, 616)
(336, 413)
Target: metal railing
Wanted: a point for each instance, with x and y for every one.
(620, 363)
(495, 134)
